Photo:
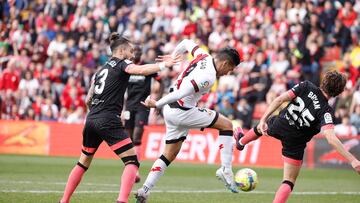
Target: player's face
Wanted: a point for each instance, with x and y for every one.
(130, 53)
(225, 68)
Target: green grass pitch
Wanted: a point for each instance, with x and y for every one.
(30, 179)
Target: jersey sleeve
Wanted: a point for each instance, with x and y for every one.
(327, 120)
(124, 65)
(189, 46)
(297, 89)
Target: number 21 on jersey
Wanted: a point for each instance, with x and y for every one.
(100, 84)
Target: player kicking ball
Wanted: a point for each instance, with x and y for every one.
(307, 114)
(181, 114)
(105, 101)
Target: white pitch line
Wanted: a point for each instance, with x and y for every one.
(54, 183)
(176, 191)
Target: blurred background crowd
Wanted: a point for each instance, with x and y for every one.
(49, 50)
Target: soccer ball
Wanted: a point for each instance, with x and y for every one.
(246, 179)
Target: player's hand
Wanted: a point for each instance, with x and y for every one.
(356, 165)
(263, 127)
(169, 60)
(150, 103)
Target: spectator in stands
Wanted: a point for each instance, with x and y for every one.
(29, 84)
(355, 118)
(345, 128)
(243, 113)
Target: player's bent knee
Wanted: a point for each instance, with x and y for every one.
(223, 123)
(131, 160)
(291, 184)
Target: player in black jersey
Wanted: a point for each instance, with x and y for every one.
(136, 114)
(105, 102)
(307, 114)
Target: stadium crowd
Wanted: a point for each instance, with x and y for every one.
(49, 50)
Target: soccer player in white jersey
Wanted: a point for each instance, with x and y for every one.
(181, 114)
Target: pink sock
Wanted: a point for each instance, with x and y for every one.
(73, 181)
(249, 136)
(282, 193)
(138, 151)
(127, 182)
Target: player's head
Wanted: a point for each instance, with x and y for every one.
(137, 54)
(333, 83)
(226, 60)
(121, 47)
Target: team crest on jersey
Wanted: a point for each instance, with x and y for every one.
(328, 118)
(204, 84)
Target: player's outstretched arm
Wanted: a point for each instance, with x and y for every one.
(185, 45)
(149, 69)
(284, 97)
(186, 89)
(338, 146)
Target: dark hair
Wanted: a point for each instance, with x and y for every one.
(229, 54)
(117, 40)
(333, 83)
(138, 53)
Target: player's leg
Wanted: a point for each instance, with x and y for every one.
(225, 140)
(255, 133)
(90, 144)
(141, 119)
(130, 129)
(175, 136)
(118, 140)
(293, 152)
(244, 139)
(291, 171)
(129, 173)
(158, 169)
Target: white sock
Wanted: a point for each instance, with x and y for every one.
(156, 171)
(226, 148)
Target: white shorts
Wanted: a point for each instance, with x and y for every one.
(179, 122)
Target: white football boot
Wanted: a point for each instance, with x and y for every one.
(227, 177)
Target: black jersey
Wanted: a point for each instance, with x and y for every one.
(138, 89)
(110, 83)
(307, 113)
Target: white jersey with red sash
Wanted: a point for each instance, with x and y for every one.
(201, 74)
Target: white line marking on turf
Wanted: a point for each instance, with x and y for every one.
(178, 191)
(54, 183)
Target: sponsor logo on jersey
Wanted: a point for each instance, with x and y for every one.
(136, 78)
(203, 64)
(328, 118)
(204, 84)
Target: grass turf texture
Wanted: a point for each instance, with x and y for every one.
(42, 179)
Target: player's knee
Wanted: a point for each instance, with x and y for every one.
(137, 136)
(226, 125)
(83, 165)
(131, 160)
(257, 131)
(290, 183)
